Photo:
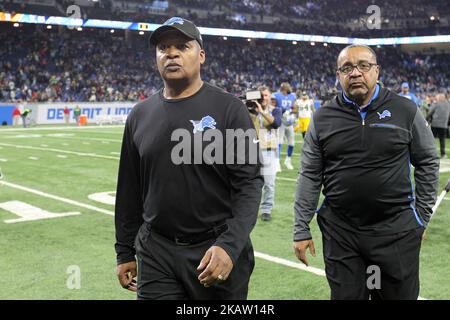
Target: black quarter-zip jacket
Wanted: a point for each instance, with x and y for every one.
(365, 167)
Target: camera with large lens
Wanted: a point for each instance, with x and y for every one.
(249, 100)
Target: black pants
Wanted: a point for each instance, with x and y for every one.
(441, 134)
(169, 271)
(350, 259)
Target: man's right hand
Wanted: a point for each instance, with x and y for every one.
(126, 272)
(300, 248)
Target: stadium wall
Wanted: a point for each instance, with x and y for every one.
(53, 113)
(6, 111)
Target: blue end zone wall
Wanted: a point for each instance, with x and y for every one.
(6, 114)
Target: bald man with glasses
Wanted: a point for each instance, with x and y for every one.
(361, 147)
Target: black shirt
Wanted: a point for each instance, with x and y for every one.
(182, 199)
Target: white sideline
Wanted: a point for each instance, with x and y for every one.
(82, 154)
(260, 255)
(61, 128)
(50, 196)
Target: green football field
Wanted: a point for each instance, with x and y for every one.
(56, 222)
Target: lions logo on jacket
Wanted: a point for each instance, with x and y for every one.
(384, 114)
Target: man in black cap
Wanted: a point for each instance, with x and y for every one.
(187, 214)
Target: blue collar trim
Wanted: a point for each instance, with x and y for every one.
(375, 95)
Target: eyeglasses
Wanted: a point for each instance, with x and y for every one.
(362, 67)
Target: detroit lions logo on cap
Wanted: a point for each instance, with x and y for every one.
(384, 114)
(174, 20)
(206, 122)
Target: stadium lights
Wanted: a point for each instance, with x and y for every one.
(16, 25)
(313, 43)
(325, 44)
(141, 33)
(294, 42)
(80, 29)
(248, 39)
(112, 31)
(432, 18)
(49, 27)
(239, 33)
(225, 38)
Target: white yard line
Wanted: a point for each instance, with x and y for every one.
(103, 140)
(33, 158)
(3, 160)
(120, 133)
(61, 156)
(81, 154)
(51, 196)
(60, 128)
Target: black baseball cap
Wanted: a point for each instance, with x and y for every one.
(186, 27)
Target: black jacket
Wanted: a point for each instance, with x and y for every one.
(364, 165)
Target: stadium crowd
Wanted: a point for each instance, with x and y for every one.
(95, 65)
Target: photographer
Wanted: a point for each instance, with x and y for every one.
(266, 119)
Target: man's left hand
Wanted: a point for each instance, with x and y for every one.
(216, 265)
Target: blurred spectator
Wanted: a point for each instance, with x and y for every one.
(16, 116)
(76, 114)
(439, 115)
(24, 116)
(408, 95)
(66, 115)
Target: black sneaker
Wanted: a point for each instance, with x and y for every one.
(265, 216)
